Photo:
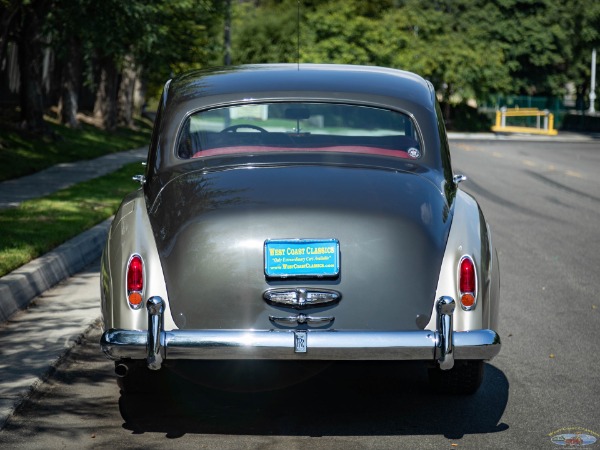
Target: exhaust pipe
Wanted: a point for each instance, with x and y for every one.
(121, 370)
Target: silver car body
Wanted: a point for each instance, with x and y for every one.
(201, 227)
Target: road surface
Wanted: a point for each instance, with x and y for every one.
(542, 200)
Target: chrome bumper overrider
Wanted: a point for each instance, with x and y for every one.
(443, 345)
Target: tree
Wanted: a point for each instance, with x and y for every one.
(22, 22)
(181, 36)
(449, 43)
(125, 99)
(64, 30)
(123, 41)
(580, 20)
(445, 42)
(115, 31)
(341, 33)
(9, 11)
(468, 49)
(267, 33)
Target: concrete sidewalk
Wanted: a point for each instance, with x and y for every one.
(22, 285)
(35, 341)
(61, 176)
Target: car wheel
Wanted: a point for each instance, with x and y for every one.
(464, 378)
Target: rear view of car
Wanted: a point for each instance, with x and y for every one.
(303, 214)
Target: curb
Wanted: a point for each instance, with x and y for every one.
(22, 285)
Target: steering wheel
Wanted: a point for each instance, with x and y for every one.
(233, 128)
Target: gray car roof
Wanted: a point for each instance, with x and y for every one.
(303, 79)
(368, 85)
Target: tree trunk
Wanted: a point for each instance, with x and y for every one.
(139, 95)
(580, 98)
(71, 82)
(7, 19)
(105, 108)
(126, 93)
(30, 65)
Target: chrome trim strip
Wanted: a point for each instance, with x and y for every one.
(321, 344)
(302, 318)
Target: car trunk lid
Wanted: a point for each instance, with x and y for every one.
(211, 228)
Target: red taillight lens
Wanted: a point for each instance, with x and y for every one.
(467, 276)
(135, 274)
(467, 282)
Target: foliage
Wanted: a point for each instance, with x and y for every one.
(467, 118)
(161, 37)
(265, 34)
(445, 45)
(467, 48)
(580, 20)
(182, 35)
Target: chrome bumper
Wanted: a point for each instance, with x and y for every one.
(443, 345)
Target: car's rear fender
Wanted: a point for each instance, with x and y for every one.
(470, 236)
(130, 234)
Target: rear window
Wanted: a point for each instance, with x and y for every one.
(298, 127)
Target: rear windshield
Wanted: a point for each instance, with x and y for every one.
(298, 127)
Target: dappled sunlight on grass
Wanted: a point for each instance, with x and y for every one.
(38, 226)
(22, 153)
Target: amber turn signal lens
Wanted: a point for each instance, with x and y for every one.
(467, 300)
(135, 298)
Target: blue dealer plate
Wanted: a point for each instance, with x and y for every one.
(302, 258)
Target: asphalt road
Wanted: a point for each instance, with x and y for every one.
(543, 202)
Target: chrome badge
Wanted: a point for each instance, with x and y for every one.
(300, 298)
(414, 153)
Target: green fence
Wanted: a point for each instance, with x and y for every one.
(553, 104)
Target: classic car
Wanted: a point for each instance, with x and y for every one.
(300, 213)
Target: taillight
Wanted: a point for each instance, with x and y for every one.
(135, 281)
(467, 282)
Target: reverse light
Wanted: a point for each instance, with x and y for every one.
(467, 282)
(135, 281)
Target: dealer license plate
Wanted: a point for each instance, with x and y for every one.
(302, 258)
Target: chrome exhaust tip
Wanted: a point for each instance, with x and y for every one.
(121, 370)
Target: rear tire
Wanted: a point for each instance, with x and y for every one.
(463, 379)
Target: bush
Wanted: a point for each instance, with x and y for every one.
(463, 117)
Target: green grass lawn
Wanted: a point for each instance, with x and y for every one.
(22, 153)
(37, 226)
